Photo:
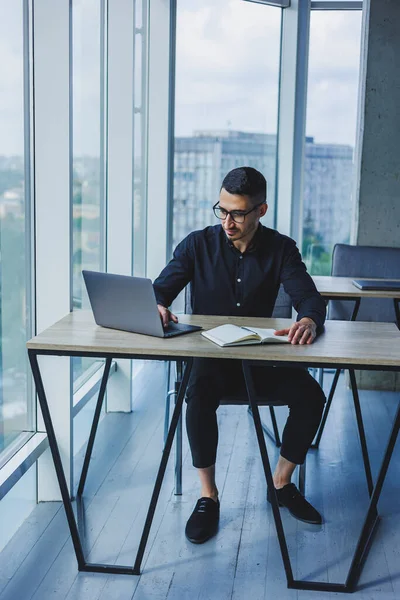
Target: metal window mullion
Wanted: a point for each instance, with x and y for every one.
(303, 42)
(52, 213)
(133, 253)
(276, 195)
(120, 111)
(171, 127)
(360, 123)
(158, 130)
(103, 132)
(144, 121)
(29, 200)
(292, 117)
(140, 100)
(144, 130)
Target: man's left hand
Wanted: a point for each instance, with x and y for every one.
(301, 332)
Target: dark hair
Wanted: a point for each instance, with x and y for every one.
(246, 181)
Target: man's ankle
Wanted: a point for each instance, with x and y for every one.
(280, 483)
(207, 494)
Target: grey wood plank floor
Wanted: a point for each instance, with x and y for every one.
(243, 560)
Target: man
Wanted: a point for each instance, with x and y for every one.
(236, 268)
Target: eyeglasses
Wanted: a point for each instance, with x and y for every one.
(236, 215)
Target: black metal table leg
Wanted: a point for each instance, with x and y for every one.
(56, 459)
(356, 308)
(371, 516)
(268, 473)
(327, 408)
(315, 445)
(163, 465)
(93, 429)
(65, 494)
(361, 431)
(370, 521)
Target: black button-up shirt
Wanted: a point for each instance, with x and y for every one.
(226, 282)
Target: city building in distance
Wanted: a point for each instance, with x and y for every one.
(202, 161)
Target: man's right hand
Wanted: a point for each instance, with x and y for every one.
(166, 315)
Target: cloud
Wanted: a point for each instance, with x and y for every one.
(335, 39)
(228, 64)
(227, 71)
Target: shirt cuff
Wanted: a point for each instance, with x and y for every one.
(316, 317)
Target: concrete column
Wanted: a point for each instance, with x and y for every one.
(377, 186)
(378, 183)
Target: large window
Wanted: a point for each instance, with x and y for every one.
(331, 126)
(227, 72)
(16, 407)
(88, 153)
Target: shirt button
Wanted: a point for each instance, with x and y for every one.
(239, 280)
(238, 304)
(240, 257)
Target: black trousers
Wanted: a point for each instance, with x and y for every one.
(212, 379)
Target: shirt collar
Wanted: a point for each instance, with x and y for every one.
(254, 244)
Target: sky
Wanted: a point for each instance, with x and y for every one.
(226, 72)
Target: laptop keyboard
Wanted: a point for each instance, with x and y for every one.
(174, 328)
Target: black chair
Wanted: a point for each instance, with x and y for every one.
(361, 262)
(282, 309)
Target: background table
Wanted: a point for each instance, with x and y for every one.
(343, 345)
(342, 288)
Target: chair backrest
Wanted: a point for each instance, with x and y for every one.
(282, 308)
(365, 262)
(283, 305)
(188, 299)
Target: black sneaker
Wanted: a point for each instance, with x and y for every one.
(290, 497)
(203, 522)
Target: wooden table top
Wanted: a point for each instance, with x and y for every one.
(344, 342)
(342, 287)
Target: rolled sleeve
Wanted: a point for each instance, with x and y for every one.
(177, 274)
(306, 299)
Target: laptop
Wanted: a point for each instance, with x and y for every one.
(129, 304)
(373, 284)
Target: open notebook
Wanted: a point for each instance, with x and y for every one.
(232, 335)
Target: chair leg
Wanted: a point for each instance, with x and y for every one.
(178, 438)
(168, 393)
(178, 456)
(168, 374)
(278, 442)
(274, 436)
(167, 413)
(396, 302)
(327, 409)
(321, 377)
(302, 478)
